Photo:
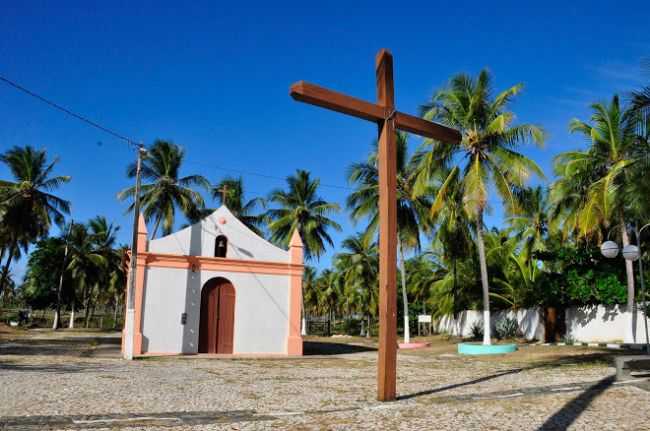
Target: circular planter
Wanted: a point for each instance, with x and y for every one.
(482, 349)
(413, 345)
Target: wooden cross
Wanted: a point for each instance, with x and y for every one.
(224, 191)
(388, 120)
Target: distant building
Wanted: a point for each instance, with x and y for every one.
(217, 287)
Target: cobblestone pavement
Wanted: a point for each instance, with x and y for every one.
(57, 384)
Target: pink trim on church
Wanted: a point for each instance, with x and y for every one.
(294, 342)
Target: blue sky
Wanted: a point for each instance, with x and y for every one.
(214, 78)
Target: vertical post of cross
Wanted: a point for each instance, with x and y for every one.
(387, 167)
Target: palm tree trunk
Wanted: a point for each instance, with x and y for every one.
(71, 323)
(407, 329)
(55, 321)
(368, 327)
(155, 228)
(303, 321)
(5, 272)
(57, 314)
(87, 310)
(3, 250)
(117, 304)
(90, 316)
(329, 321)
(630, 336)
(484, 280)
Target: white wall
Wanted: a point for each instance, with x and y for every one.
(261, 311)
(603, 324)
(531, 323)
(590, 324)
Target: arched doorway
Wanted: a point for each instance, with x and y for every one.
(217, 323)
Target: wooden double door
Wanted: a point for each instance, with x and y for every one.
(216, 329)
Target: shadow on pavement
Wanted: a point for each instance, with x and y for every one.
(458, 385)
(78, 346)
(564, 417)
(57, 368)
(314, 348)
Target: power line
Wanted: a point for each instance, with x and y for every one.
(132, 142)
(68, 112)
(256, 174)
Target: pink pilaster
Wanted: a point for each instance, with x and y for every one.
(139, 285)
(140, 266)
(294, 341)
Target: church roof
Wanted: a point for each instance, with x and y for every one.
(199, 240)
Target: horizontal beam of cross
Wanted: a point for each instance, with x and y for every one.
(316, 95)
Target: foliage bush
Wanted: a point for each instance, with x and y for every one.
(348, 326)
(477, 330)
(593, 287)
(507, 327)
(568, 340)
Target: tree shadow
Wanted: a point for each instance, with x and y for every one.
(564, 417)
(56, 368)
(78, 347)
(315, 348)
(605, 357)
(561, 361)
(458, 385)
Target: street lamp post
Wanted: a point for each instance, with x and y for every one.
(631, 252)
(644, 308)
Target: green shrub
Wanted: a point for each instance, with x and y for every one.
(568, 340)
(349, 327)
(507, 328)
(477, 330)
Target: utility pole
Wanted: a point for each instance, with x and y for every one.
(130, 304)
(57, 316)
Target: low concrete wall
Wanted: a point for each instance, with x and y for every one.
(601, 323)
(589, 324)
(531, 323)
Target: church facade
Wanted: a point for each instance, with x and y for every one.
(217, 287)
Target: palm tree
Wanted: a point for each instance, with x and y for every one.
(86, 264)
(453, 283)
(513, 271)
(486, 155)
(301, 208)
(419, 270)
(163, 190)
(568, 193)
(639, 209)
(641, 98)
(358, 266)
(594, 185)
(111, 272)
(233, 188)
(310, 297)
(330, 293)
(532, 223)
(412, 212)
(29, 207)
(43, 271)
(453, 243)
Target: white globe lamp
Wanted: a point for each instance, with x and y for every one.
(609, 249)
(631, 252)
